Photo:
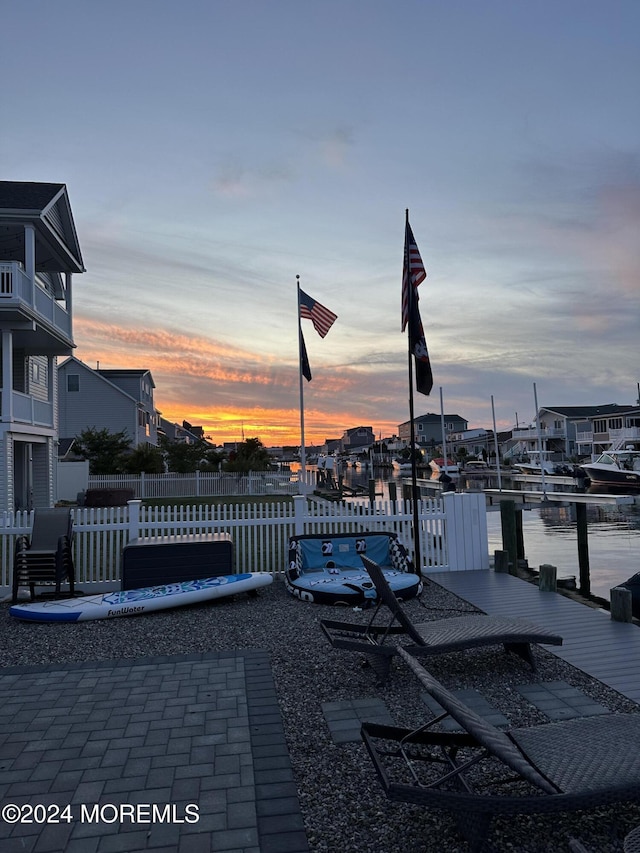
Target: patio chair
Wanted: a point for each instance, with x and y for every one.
(45, 558)
(483, 772)
(429, 638)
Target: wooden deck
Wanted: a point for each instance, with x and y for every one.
(592, 641)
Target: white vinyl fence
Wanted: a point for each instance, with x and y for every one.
(453, 535)
(200, 484)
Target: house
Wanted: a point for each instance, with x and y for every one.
(357, 439)
(579, 431)
(474, 443)
(39, 254)
(107, 399)
(185, 434)
(428, 429)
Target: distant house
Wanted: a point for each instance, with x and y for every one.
(107, 399)
(579, 430)
(428, 428)
(357, 438)
(39, 253)
(185, 434)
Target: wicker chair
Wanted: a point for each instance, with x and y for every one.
(482, 772)
(45, 559)
(429, 638)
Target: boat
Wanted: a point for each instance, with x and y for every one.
(616, 468)
(136, 602)
(537, 462)
(633, 585)
(439, 466)
(402, 465)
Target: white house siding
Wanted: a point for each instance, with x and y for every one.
(97, 404)
(6, 472)
(139, 386)
(42, 469)
(37, 373)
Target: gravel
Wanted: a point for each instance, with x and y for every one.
(342, 803)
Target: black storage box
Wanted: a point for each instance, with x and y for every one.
(173, 559)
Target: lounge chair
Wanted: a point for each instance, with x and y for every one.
(45, 558)
(482, 772)
(429, 638)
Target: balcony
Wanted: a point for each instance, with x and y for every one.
(27, 410)
(42, 323)
(524, 433)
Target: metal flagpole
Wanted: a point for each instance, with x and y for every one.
(495, 440)
(415, 496)
(542, 472)
(444, 434)
(303, 458)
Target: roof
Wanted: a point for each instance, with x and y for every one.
(126, 372)
(45, 206)
(27, 195)
(603, 410)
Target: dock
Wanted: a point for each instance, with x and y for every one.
(607, 650)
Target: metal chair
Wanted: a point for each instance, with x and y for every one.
(483, 772)
(430, 638)
(45, 559)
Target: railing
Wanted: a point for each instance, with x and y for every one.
(533, 432)
(27, 409)
(199, 484)
(17, 288)
(453, 531)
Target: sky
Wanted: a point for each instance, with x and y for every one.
(215, 150)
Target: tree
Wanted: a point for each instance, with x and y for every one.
(181, 458)
(251, 455)
(186, 458)
(105, 450)
(145, 458)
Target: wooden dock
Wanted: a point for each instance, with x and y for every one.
(592, 642)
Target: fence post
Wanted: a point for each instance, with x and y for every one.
(466, 530)
(134, 519)
(621, 604)
(299, 513)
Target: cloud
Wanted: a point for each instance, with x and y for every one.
(234, 180)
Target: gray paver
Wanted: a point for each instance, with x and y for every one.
(201, 729)
(560, 701)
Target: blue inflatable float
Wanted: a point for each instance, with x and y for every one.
(327, 569)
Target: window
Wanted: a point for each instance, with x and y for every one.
(73, 382)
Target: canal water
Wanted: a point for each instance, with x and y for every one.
(550, 536)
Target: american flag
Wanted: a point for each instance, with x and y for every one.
(413, 273)
(320, 316)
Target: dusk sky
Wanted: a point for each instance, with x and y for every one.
(215, 149)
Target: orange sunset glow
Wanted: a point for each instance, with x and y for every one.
(191, 373)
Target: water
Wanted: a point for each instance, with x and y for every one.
(550, 536)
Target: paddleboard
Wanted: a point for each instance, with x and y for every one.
(134, 602)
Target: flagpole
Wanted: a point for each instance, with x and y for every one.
(415, 496)
(303, 457)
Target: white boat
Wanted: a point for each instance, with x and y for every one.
(618, 468)
(537, 462)
(438, 466)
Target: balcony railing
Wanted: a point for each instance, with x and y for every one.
(532, 432)
(28, 410)
(17, 290)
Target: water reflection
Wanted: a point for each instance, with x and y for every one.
(550, 532)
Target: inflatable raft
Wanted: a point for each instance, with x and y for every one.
(327, 569)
